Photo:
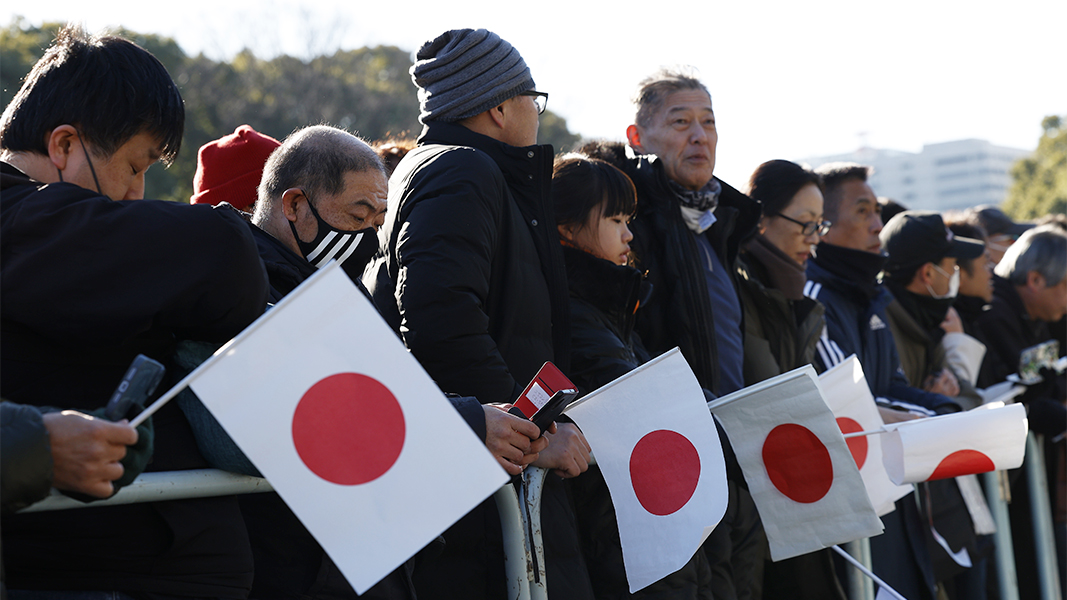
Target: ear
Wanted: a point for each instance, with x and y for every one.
(60, 144)
(762, 222)
(290, 201)
(1035, 281)
(633, 136)
(566, 231)
(925, 274)
(499, 114)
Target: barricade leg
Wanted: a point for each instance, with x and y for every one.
(996, 487)
(860, 587)
(535, 482)
(517, 565)
(1041, 517)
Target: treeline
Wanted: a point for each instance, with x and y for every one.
(367, 91)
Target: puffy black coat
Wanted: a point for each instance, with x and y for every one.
(89, 283)
(470, 272)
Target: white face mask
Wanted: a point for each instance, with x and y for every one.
(953, 284)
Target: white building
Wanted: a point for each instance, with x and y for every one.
(944, 176)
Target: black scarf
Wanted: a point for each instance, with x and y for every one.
(783, 273)
(927, 311)
(857, 267)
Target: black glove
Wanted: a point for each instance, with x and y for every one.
(137, 458)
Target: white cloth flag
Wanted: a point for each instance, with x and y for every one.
(800, 472)
(975, 441)
(347, 427)
(846, 393)
(661, 458)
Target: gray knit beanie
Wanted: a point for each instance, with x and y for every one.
(464, 72)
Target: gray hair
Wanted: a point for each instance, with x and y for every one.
(316, 159)
(654, 89)
(1042, 249)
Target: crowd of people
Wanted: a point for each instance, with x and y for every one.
(489, 255)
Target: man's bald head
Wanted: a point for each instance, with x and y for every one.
(316, 160)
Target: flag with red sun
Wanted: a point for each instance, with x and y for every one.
(977, 441)
(799, 470)
(347, 427)
(844, 388)
(661, 458)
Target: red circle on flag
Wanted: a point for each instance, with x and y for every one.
(857, 445)
(962, 462)
(797, 463)
(665, 471)
(348, 429)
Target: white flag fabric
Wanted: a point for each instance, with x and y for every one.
(799, 470)
(846, 393)
(347, 427)
(965, 443)
(660, 455)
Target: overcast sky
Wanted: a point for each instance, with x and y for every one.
(788, 79)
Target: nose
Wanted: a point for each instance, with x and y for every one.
(378, 221)
(627, 235)
(697, 134)
(136, 189)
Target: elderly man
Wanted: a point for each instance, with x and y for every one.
(471, 274)
(687, 231)
(1030, 292)
(92, 276)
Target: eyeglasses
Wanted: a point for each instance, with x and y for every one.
(540, 99)
(820, 228)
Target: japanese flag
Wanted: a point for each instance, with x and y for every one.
(798, 468)
(660, 455)
(347, 427)
(846, 393)
(966, 443)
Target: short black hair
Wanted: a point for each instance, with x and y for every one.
(775, 182)
(965, 225)
(584, 188)
(108, 87)
(833, 176)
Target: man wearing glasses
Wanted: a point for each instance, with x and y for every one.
(470, 273)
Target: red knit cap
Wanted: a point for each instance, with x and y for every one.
(229, 169)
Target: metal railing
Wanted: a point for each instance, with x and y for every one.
(520, 520)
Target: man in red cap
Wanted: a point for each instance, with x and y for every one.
(229, 168)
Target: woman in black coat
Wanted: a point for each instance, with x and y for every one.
(593, 203)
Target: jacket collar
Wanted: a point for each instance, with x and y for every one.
(452, 134)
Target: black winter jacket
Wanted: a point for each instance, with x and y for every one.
(470, 270)
(604, 300)
(679, 313)
(88, 283)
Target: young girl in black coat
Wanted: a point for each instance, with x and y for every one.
(593, 203)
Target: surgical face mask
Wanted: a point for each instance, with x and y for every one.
(953, 284)
(351, 249)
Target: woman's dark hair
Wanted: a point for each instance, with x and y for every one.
(109, 88)
(775, 182)
(581, 184)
